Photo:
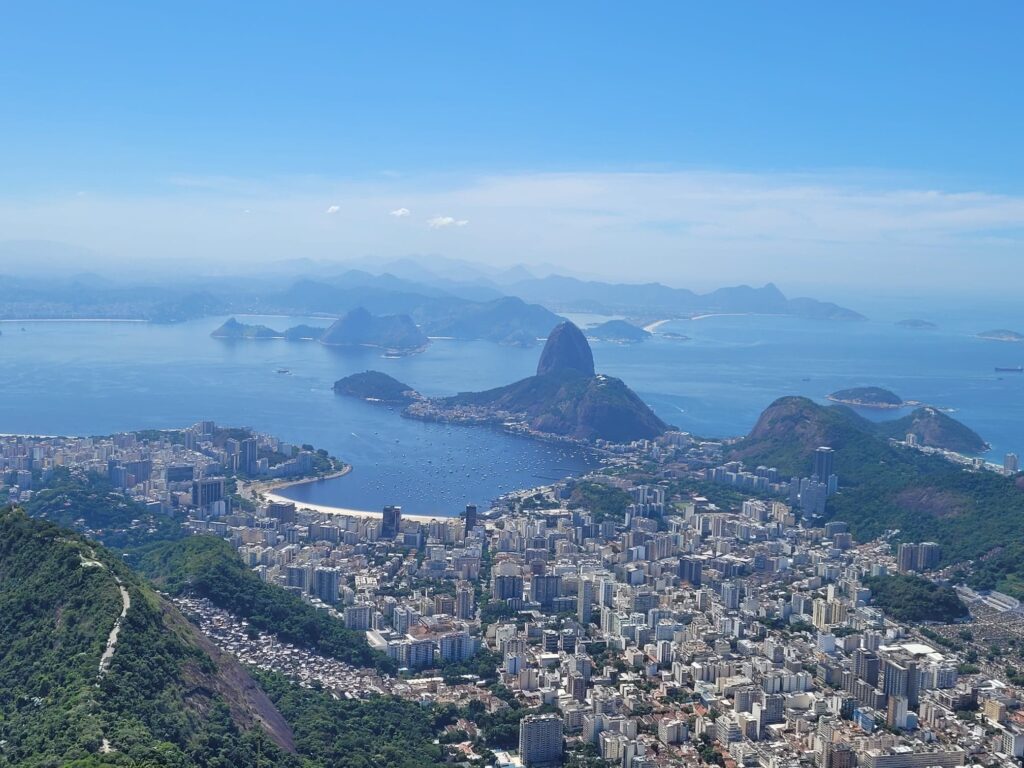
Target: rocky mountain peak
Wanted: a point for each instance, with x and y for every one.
(566, 349)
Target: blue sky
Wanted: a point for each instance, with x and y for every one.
(199, 111)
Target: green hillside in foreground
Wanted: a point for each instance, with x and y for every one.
(166, 696)
(975, 515)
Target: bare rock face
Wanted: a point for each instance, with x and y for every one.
(566, 350)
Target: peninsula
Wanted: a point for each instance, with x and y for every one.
(566, 399)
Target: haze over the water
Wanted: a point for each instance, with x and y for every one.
(874, 148)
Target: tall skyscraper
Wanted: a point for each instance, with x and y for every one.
(906, 557)
(1011, 463)
(587, 596)
(544, 589)
(326, 584)
(282, 510)
(392, 522)
(928, 555)
(823, 463)
(690, 571)
(465, 605)
(207, 491)
(540, 740)
(507, 586)
(247, 456)
(730, 593)
(470, 517)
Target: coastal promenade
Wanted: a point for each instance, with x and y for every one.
(269, 492)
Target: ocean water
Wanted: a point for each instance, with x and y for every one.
(731, 368)
(101, 377)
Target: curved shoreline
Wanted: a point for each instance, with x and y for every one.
(266, 487)
(324, 509)
(269, 492)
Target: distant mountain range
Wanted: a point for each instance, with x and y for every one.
(511, 307)
(566, 398)
(567, 294)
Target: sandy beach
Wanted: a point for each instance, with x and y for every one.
(326, 510)
(267, 492)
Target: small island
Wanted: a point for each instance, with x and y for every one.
(304, 333)
(397, 334)
(232, 329)
(867, 397)
(394, 334)
(618, 331)
(377, 387)
(921, 325)
(1001, 334)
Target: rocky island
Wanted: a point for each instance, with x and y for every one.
(1001, 334)
(233, 330)
(867, 397)
(394, 333)
(377, 387)
(566, 399)
(618, 331)
(921, 325)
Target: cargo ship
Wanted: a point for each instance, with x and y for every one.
(1015, 369)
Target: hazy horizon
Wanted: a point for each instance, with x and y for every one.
(854, 153)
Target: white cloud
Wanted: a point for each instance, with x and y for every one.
(333, 208)
(443, 222)
(694, 229)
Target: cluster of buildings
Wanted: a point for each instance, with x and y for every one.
(348, 566)
(162, 470)
(809, 493)
(266, 652)
(652, 637)
(1009, 467)
(667, 632)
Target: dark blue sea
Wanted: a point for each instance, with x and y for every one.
(91, 378)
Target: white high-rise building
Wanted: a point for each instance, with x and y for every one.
(1011, 464)
(540, 740)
